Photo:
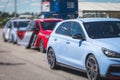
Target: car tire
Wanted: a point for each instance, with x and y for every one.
(28, 47)
(52, 59)
(4, 38)
(13, 40)
(41, 47)
(92, 68)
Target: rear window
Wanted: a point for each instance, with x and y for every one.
(21, 24)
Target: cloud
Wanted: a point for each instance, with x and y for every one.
(10, 5)
(81, 0)
(24, 2)
(3, 0)
(4, 4)
(34, 0)
(35, 4)
(1, 6)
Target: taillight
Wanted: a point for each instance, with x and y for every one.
(20, 34)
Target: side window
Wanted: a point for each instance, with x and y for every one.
(64, 29)
(9, 25)
(118, 24)
(76, 29)
(31, 25)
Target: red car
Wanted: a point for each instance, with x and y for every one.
(37, 33)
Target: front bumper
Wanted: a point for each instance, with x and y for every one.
(113, 72)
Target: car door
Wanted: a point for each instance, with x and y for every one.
(62, 33)
(7, 30)
(76, 47)
(25, 35)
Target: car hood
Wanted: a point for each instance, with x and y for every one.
(109, 43)
(48, 32)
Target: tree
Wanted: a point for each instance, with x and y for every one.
(12, 15)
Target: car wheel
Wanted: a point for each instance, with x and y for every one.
(13, 40)
(16, 41)
(28, 47)
(4, 38)
(92, 68)
(51, 59)
(41, 47)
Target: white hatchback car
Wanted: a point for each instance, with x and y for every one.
(11, 27)
(88, 44)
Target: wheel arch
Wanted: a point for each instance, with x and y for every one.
(40, 38)
(49, 49)
(38, 41)
(89, 55)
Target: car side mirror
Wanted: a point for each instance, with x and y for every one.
(78, 36)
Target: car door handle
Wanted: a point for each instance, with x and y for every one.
(55, 39)
(67, 42)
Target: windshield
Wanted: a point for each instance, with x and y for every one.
(48, 25)
(106, 29)
(21, 24)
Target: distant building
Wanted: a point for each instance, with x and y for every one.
(60, 8)
(75, 8)
(95, 9)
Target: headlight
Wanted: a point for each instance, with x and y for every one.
(111, 53)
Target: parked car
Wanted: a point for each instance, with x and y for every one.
(37, 33)
(25, 17)
(87, 44)
(11, 27)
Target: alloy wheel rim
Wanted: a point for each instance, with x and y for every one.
(92, 68)
(13, 39)
(4, 37)
(51, 58)
(41, 46)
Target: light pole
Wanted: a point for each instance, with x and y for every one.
(15, 5)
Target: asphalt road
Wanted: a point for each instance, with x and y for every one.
(18, 63)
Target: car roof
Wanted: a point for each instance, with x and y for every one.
(97, 19)
(20, 20)
(48, 19)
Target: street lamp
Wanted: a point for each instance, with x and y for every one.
(15, 6)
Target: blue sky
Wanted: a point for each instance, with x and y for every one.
(33, 5)
(22, 6)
